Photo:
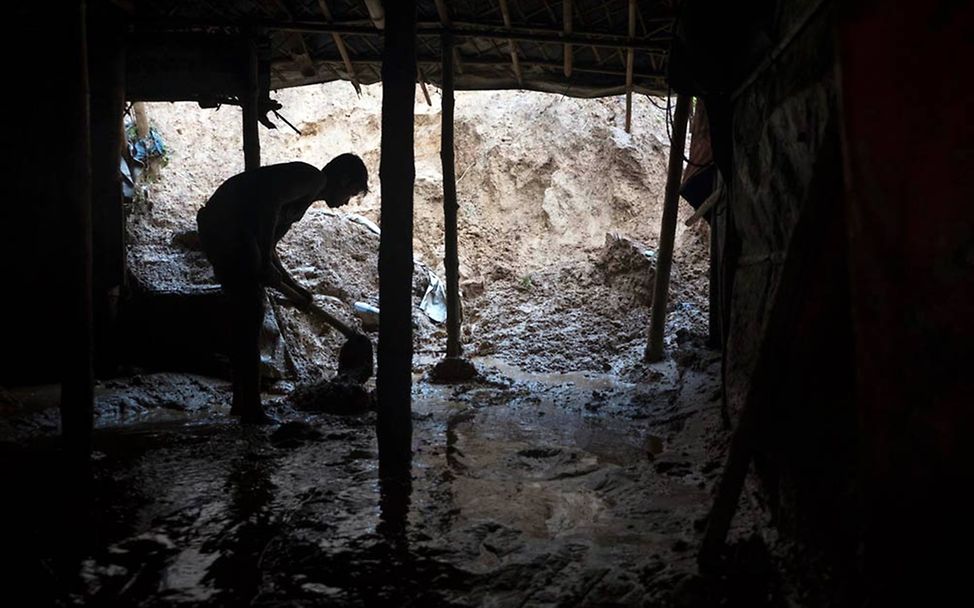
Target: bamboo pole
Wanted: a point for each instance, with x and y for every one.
(77, 381)
(107, 87)
(447, 23)
(664, 260)
(342, 49)
(397, 173)
(630, 60)
(566, 15)
(422, 84)
(249, 103)
(451, 261)
(648, 44)
(515, 61)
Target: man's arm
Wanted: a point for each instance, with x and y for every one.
(277, 187)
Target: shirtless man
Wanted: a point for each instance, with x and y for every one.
(239, 228)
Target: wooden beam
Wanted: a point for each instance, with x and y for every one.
(630, 59)
(653, 44)
(422, 84)
(107, 88)
(249, 103)
(342, 49)
(447, 23)
(376, 13)
(707, 205)
(451, 260)
(515, 62)
(77, 348)
(427, 61)
(664, 258)
(397, 173)
(566, 17)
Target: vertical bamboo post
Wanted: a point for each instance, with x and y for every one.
(77, 384)
(451, 260)
(397, 174)
(664, 260)
(249, 103)
(630, 60)
(107, 87)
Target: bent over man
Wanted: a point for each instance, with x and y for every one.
(239, 228)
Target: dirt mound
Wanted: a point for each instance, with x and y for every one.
(542, 180)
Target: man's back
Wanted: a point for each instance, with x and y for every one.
(245, 199)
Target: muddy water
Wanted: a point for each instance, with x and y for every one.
(526, 490)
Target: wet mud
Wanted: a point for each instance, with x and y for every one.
(526, 489)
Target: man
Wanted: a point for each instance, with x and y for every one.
(239, 228)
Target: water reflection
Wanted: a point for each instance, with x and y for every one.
(250, 524)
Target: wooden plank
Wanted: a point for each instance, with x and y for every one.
(664, 258)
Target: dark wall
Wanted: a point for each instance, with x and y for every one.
(786, 167)
(37, 243)
(852, 122)
(908, 110)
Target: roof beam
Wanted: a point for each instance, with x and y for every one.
(659, 45)
(566, 17)
(506, 14)
(547, 65)
(377, 13)
(342, 49)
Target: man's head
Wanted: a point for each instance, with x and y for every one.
(346, 176)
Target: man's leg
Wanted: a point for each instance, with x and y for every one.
(246, 317)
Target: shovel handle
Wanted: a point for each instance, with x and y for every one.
(318, 311)
(330, 319)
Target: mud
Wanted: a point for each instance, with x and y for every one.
(558, 220)
(527, 490)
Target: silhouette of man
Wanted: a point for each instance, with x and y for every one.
(239, 228)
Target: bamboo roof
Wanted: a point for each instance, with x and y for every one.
(579, 48)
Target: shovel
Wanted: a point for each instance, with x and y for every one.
(355, 356)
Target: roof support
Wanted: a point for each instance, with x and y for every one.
(77, 381)
(107, 86)
(397, 174)
(249, 101)
(377, 13)
(651, 44)
(422, 84)
(342, 49)
(515, 62)
(630, 59)
(667, 231)
(567, 25)
(451, 260)
(444, 14)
